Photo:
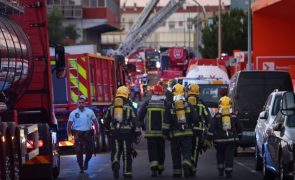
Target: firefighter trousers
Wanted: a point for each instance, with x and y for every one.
(156, 152)
(83, 143)
(181, 146)
(225, 153)
(122, 144)
(196, 148)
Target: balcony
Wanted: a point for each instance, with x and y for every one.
(68, 11)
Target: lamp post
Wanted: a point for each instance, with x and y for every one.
(219, 31)
(249, 64)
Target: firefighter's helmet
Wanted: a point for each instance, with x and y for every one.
(178, 89)
(225, 102)
(171, 83)
(122, 91)
(193, 89)
(158, 90)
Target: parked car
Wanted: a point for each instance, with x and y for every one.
(265, 120)
(249, 91)
(278, 148)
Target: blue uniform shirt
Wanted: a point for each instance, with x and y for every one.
(82, 121)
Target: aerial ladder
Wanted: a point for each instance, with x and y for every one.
(144, 27)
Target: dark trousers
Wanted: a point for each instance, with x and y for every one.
(156, 151)
(197, 139)
(83, 143)
(225, 153)
(122, 144)
(181, 146)
(135, 94)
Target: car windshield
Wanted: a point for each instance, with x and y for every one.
(211, 93)
(276, 105)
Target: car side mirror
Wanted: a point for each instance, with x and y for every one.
(60, 62)
(263, 115)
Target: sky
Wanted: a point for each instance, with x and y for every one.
(163, 2)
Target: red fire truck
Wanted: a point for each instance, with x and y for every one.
(28, 145)
(89, 75)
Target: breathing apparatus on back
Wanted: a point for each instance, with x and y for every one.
(122, 92)
(225, 109)
(193, 94)
(179, 102)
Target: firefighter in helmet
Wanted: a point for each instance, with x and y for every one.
(168, 93)
(178, 126)
(152, 111)
(225, 130)
(120, 121)
(199, 142)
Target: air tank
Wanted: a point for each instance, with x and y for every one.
(15, 60)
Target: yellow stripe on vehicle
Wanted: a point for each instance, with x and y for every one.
(52, 62)
(82, 71)
(80, 86)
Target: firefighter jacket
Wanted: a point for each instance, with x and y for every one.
(151, 115)
(169, 96)
(173, 127)
(121, 118)
(221, 132)
(202, 111)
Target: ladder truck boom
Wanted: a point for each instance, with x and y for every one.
(139, 35)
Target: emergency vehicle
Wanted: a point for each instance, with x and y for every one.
(28, 144)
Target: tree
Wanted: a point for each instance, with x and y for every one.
(234, 34)
(55, 27)
(70, 31)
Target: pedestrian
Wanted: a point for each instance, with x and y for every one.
(137, 90)
(121, 123)
(225, 130)
(80, 125)
(145, 83)
(199, 142)
(178, 127)
(154, 108)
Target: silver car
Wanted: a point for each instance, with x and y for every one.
(265, 120)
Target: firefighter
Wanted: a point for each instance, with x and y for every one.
(80, 125)
(155, 109)
(199, 142)
(226, 131)
(120, 121)
(168, 93)
(178, 127)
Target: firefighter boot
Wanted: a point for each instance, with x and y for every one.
(221, 173)
(187, 171)
(116, 168)
(228, 174)
(85, 165)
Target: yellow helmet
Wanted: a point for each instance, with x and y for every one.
(194, 89)
(122, 91)
(178, 89)
(225, 102)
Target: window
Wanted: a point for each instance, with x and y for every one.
(180, 23)
(171, 25)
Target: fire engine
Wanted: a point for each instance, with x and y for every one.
(28, 144)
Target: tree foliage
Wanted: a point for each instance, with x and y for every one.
(57, 32)
(234, 34)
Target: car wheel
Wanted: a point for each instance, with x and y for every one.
(258, 164)
(282, 173)
(267, 175)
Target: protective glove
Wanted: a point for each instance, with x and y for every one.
(207, 145)
(133, 153)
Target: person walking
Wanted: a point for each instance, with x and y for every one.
(178, 127)
(123, 128)
(225, 131)
(154, 108)
(80, 128)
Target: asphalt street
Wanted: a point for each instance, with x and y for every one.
(100, 166)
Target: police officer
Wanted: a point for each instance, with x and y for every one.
(178, 124)
(155, 109)
(225, 131)
(120, 121)
(199, 130)
(80, 125)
